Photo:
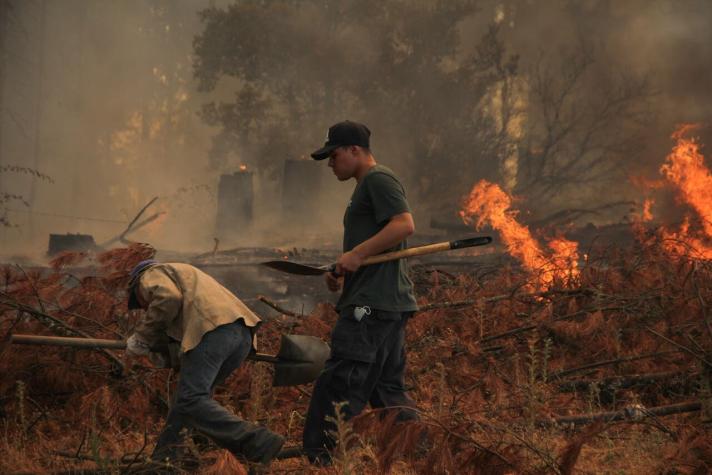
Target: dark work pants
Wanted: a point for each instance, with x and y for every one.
(366, 365)
(218, 354)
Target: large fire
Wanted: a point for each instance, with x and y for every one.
(487, 203)
(685, 170)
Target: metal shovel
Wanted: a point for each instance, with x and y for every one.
(304, 269)
(299, 361)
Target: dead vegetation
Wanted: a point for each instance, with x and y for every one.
(604, 373)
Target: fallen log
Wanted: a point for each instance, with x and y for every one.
(633, 413)
(600, 364)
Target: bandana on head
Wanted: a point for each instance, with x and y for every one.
(134, 276)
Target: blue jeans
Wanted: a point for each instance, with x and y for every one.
(218, 354)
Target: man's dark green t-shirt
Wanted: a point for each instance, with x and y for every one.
(377, 198)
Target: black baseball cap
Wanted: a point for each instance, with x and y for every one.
(343, 134)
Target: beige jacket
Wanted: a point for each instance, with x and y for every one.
(185, 303)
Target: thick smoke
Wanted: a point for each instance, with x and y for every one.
(100, 96)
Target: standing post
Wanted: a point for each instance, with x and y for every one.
(38, 115)
(235, 204)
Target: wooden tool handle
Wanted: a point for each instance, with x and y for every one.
(102, 343)
(68, 341)
(429, 249)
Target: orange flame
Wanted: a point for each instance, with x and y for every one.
(564, 258)
(685, 241)
(647, 207)
(491, 205)
(243, 168)
(684, 168)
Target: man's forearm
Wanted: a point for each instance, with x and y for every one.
(393, 233)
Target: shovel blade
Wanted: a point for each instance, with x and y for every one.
(296, 268)
(300, 360)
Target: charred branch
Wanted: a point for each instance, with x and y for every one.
(634, 413)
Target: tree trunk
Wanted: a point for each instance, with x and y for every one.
(39, 105)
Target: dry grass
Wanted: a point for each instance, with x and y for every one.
(487, 394)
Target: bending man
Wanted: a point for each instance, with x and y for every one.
(216, 332)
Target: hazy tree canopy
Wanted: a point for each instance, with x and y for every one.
(584, 125)
(298, 67)
(444, 113)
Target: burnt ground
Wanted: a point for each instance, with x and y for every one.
(607, 372)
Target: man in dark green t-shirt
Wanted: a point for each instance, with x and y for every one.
(367, 343)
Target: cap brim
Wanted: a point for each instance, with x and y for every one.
(324, 152)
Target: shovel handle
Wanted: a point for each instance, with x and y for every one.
(68, 341)
(429, 249)
(101, 343)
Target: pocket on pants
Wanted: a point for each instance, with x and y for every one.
(350, 340)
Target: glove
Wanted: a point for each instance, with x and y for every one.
(136, 346)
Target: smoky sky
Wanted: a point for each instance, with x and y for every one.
(99, 95)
